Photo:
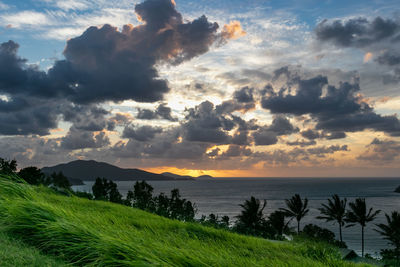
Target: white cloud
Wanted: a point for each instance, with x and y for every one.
(3, 6)
(26, 18)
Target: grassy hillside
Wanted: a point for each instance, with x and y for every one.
(98, 233)
(15, 253)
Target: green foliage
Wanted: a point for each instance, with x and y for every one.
(174, 207)
(296, 208)
(215, 221)
(317, 233)
(277, 223)
(251, 219)
(8, 167)
(15, 253)
(59, 180)
(34, 176)
(104, 189)
(359, 214)
(391, 232)
(98, 233)
(334, 211)
(142, 196)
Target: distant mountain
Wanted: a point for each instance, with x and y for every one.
(205, 176)
(89, 170)
(173, 175)
(176, 176)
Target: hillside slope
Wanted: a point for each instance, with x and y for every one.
(15, 253)
(104, 234)
(89, 170)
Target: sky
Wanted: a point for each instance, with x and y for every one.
(226, 88)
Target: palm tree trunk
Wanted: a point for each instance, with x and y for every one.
(362, 241)
(340, 232)
(298, 227)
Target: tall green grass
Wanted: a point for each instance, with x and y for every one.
(99, 233)
(15, 253)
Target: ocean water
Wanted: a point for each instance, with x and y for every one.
(222, 196)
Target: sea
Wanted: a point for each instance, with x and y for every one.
(222, 196)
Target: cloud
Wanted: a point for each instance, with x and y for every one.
(381, 151)
(267, 135)
(335, 109)
(244, 95)
(26, 19)
(358, 32)
(161, 112)
(142, 133)
(389, 59)
(77, 139)
(302, 143)
(103, 64)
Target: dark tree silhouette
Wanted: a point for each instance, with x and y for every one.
(34, 176)
(277, 222)
(8, 166)
(251, 219)
(60, 180)
(296, 208)
(162, 205)
(359, 214)
(391, 232)
(104, 189)
(142, 196)
(334, 211)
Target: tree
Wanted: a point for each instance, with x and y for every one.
(142, 196)
(296, 208)
(8, 166)
(60, 180)
(391, 232)
(251, 219)
(359, 214)
(334, 211)
(277, 222)
(107, 190)
(33, 175)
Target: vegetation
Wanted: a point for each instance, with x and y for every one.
(397, 190)
(251, 220)
(334, 211)
(296, 208)
(101, 233)
(359, 214)
(391, 232)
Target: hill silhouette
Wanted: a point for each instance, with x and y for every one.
(89, 170)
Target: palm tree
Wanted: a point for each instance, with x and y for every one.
(391, 231)
(296, 209)
(251, 218)
(334, 211)
(358, 214)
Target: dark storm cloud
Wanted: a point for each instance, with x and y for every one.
(76, 139)
(103, 64)
(327, 149)
(161, 112)
(142, 133)
(302, 143)
(336, 109)
(358, 32)
(268, 135)
(310, 134)
(244, 95)
(389, 58)
(35, 116)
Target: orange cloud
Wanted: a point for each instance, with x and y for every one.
(368, 56)
(233, 30)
